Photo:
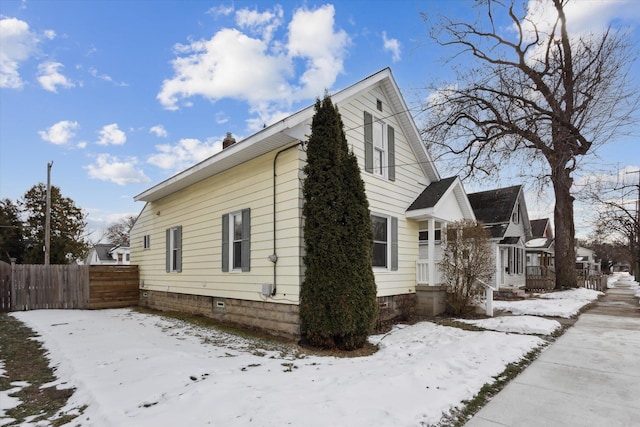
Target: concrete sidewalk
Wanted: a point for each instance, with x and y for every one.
(589, 377)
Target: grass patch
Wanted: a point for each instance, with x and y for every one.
(262, 343)
(25, 360)
(458, 417)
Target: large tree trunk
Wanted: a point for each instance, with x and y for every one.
(565, 229)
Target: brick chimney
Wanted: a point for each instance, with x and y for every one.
(228, 141)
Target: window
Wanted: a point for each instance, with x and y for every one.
(385, 242)
(515, 216)
(146, 241)
(423, 235)
(119, 258)
(174, 250)
(515, 260)
(379, 148)
(127, 257)
(236, 241)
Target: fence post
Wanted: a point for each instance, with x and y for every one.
(489, 299)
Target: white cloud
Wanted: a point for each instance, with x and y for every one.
(159, 131)
(260, 69)
(60, 133)
(582, 16)
(49, 34)
(265, 23)
(185, 153)
(220, 11)
(18, 44)
(312, 36)
(111, 134)
(107, 78)
(391, 45)
(82, 144)
(50, 78)
(113, 169)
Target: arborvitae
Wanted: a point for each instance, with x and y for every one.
(338, 296)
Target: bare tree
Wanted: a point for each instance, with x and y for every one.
(618, 217)
(118, 233)
(466, 260)
(534, 95)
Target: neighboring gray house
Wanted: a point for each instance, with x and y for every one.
(503, 211)
(541, 246)
(108, 254)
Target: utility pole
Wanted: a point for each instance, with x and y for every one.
(47, 221)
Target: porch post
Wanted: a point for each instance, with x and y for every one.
(499, 271)
(431, 251)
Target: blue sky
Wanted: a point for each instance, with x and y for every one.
(120, 95)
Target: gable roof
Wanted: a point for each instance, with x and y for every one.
(539, 227)
(293, 129)
(432, 201)
(495, 206)
(432, 194)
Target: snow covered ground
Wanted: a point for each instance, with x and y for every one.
(556, 304)
(135, 369)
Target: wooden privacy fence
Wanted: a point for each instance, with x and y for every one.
(32, 287)
(598, 283)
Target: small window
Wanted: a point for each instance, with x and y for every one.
(379, 105)
(174, 250)
(236, 241)
(127, 257)
(385, 242)
(423, 235)
(146, 241)
(379, 149)
(380, 241)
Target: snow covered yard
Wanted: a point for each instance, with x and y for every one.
(563, 304)
(135, 369)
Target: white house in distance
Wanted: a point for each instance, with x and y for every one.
(224, 238)
(503, 211)
(108, 254)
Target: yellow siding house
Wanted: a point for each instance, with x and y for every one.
(224, 238)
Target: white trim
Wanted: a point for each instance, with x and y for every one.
(387, 218)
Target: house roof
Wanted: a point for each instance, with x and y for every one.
(434, 201)
(539, 226)
(539, 243)
(495, 206)
(103, 251)
(432, 194)
(293, 129)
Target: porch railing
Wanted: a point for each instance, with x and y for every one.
(422, 273)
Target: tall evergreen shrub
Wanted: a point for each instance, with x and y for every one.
(338, 296)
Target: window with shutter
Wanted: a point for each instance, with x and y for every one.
(385, 242)
(174, 249)
(379, 147)
(236, 241)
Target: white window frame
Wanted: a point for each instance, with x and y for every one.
(380, 149)
(387, 265)
(233, 241)
(437, 232)
(173, 249)
(146, 241)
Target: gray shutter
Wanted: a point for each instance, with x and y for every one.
(368, 142)
(168, 250)
(225, 242)
(391, 142)
(394, 243)
(178, 243)
(246, 240)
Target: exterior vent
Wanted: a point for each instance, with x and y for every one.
(228, 141)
